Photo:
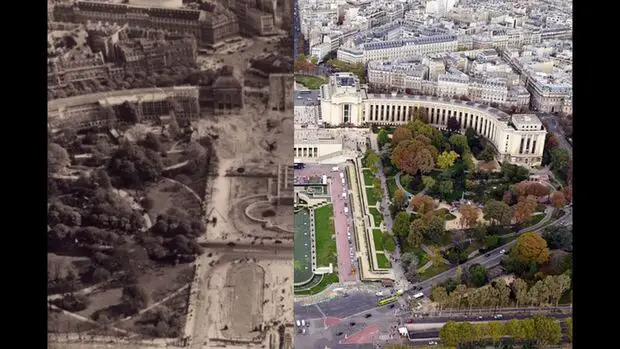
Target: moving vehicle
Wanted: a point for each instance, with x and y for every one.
(400, 292)
(502, 251)
(303, 323)
(418, 295)
(388, 300)
(298, 323)
(379, 294)
(298, 165)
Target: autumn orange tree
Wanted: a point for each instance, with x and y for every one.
(414, 155)
(422, 204)
(402, 133)
(469, 216)
(558, 199)
(530, 247)
(524, 208)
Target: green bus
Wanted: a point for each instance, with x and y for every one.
(388, 300)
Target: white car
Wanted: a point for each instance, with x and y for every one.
(498, 316)
(379, 294)
(432, 343)
(502, 251)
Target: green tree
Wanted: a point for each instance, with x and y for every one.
(372, 159)
(446, 187)
(547, 331)
(487, 154)
(439, 294)
(446, 159)
(416, 232)
(514, 328)
(135, 298)
(530, 247)
(504, 293)
(399, 200)
(428, 182)
(376, 187)
(450, 334)
(519, 288)
(478, 275)
(559, 237)
(388, 242)
(569, 328)
(459, 143)
(559, 159)
(529, 329)
(434, 229)
(382, 138)
(314, 60)
(496, 330)
(405, 180)
(468, 160)
(401, 224)
(497, 212)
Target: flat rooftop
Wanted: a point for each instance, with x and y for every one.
(306, 98)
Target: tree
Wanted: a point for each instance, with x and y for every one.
(524, 209)
(372, 159)
(446, 187)
(376, 187)
(478, 275)
(519, 288)
(382, 138)
(559, 159)
(402, 133)
(413, 156)
(314, 60)
(401, 224)
(507, 197)
(559, 237)
(558, 199)
(399, 200)
(132, 165)
(469, 216)
(428, 182)
(487, 154)
(459, 143)
(530, 247)
(405, 180)
(497, 212)
(439, 294)
(496, 331)
(468, 160)
(57, 158)
(151, 141)
(569, 328)
(450, 334)
(446, 159)
(135, 298)
(129, 113)
(514, 328)
(422, 204)
(547, 331)
(504, 293)
(416, 231)
(434, 229)
(453, 124)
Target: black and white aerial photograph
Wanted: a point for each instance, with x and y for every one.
(170, 174)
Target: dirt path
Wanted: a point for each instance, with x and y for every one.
(220, 201)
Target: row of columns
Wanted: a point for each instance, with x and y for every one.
(528, 145)
(437, 116)
(306, 152)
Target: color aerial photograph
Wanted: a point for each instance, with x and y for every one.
(170, 174)
(433, 174)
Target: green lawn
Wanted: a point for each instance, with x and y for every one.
(326, 281)
(368, 177)
(433, 270)
(325, 243)
(422, 256)
(377, 237)
(378, 217)
(536, 219)
(311, 82)
(372, 198)
(382, 261)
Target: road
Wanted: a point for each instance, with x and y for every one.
(554, 127)
(333, 331)
(494, 258)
